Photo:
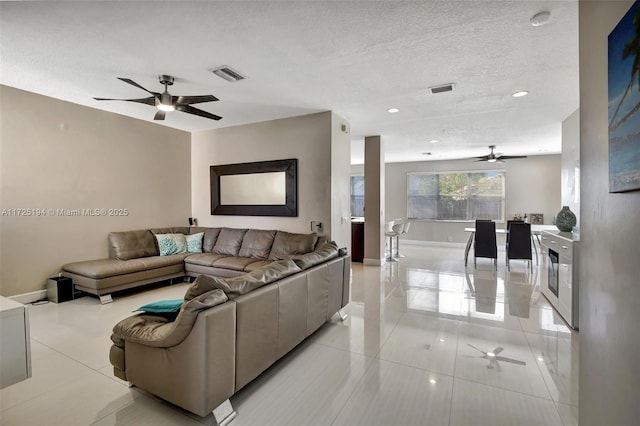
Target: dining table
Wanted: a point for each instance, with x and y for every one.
(536, 230)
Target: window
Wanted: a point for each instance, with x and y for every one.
(357, 196)
(456, 196)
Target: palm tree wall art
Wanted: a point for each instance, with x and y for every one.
(624, 103)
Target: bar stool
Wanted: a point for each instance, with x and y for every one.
(391, 231)
(405, 229)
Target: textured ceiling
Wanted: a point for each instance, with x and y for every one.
(357, 59)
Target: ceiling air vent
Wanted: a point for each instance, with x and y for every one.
(228, 73)
(442, 88)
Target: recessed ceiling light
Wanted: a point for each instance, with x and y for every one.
(539, 19)
(393, 110)
(520, 94)
(433, 141)
(432, 381)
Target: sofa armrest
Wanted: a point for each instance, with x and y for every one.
(199, 373)
(156, 331)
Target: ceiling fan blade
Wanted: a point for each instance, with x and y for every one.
(148, 101)
(482, 352)
(511, 157)
(187, 100)
(133, 83)
(511, 360)
(160, 115)
(497, 350)
(195, 111)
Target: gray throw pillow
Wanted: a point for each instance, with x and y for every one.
(326, 252)
(242, 284)
(287, 244)
(201, 285)
(237, 286)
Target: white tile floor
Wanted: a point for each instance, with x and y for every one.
(410, 353)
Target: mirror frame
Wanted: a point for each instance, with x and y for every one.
(290, 208)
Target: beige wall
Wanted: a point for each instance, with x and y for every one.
(532, 186)
(340, 182)
(58, 155)
(570, 191)
(610, 244)
(308, 138)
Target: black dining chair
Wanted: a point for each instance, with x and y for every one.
(519, 245)
(509, 222)
(484, 243)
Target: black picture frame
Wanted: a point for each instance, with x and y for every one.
(290, 208)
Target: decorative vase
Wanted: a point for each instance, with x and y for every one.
(565, 219)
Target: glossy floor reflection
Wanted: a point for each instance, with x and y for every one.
(426, 342)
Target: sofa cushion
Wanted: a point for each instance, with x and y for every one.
(204, 259)
(104, 268)
(158, 331)
(172, 230)
(287, 244)
(236, 286)
(257, 264)
(229, 241)
(257, 243)
(233, 262)
(132, 244)
(326, 252)
(169, 244)
(154, 262)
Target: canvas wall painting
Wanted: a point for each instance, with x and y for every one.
(624, 103)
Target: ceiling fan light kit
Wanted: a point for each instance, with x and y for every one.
(165, 102)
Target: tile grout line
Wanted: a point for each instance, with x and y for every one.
(555, 403)
(455, 366)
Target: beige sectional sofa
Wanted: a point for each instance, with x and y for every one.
(230, 329)
(134, 257)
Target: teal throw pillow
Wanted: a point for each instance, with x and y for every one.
(194, 242)
(169, 244)
(162, 306)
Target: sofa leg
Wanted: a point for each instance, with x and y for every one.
(224, 413)
(343, 315)
(105, 298)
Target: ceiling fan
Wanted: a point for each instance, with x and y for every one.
(493, 357)
(497, 157)
(165, 102)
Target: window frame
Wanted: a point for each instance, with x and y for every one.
(468, 172)
(351, 195)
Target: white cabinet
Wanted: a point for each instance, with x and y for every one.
(15, 348)
(559, 284)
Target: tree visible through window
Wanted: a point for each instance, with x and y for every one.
(357, 196)
(456, 196)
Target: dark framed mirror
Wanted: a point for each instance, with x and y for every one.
(263, 188)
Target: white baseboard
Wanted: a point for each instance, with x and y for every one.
(373, 262)
(31, 297)
(432, 244)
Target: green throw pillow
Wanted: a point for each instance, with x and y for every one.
(194, 242)
(162, 306)
(169, 244)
